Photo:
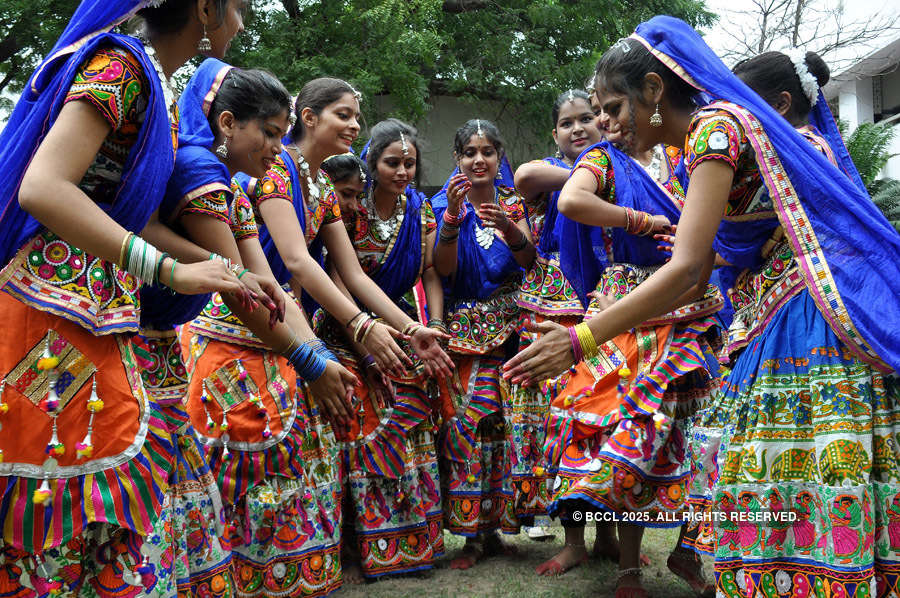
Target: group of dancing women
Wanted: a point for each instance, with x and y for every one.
(240, 359)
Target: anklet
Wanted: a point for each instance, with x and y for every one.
(633, 571)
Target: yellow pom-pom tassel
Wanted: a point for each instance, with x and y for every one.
(569, 401)
(95, 405)
(4, 407)
(1, 456)
(624, 372)
(42, 495)
(539, 471)
(47, 363)
(470, 478)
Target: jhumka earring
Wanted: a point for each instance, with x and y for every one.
(559, 155)
(204, 45)
(222, 150)
(656, 118)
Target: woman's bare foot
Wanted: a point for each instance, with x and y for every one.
(494, 546)
(472, 552)
(606, 544)
(569, 557)
(628, 584)
(687, 565)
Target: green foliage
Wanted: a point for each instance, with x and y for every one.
(887, 198)
(520, 53)
(28, 30)
(868, 147)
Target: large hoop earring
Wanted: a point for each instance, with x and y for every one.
(204, 45)
(656, 118)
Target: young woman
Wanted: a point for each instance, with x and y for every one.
(296, 209)
(811, 349)
(483, 244)
(87, 153)
(393, 489)
(242, 115)
(545, 292)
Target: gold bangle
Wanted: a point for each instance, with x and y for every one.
(365, 334)
(291, 346)
(586, 340)
(122, 263)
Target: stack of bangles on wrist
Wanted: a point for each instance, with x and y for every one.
(236, 269)
(411, 328)
(309, 359)
(638, 223)
(437, 324)
(144, 261)
(584, 346)
(450, 229)
(523, 240)
(362, 324)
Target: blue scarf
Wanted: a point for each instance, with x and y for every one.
(149, 163)
(399, 271)
(846, 248)
(281, 272)
(549, 241)
(479, 272)
(581, 252)
(197, 171)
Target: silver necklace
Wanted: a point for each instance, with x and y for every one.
(654, 169)
(314, 187)
(168, 91)
(485, 235)
(383, 229)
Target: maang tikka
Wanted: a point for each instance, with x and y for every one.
(479, 131)
(404, 147)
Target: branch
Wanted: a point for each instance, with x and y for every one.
(460, 6)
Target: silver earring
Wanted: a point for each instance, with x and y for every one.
(559, 155)
(222, 150)
(204, 45)
(656, 118)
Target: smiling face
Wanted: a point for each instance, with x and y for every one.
(479, 161)
(626, 119)
(222, 28)
(394, 170)
(575, 129)
(253, 145)
(337, 126)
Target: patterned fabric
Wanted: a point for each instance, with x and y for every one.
(597, 162)
(99, 563)
(213, 204)
(799, 426)
(546, 290)
(112, 81)
(370, 248)
(129, 443)
(242, 221)
(276, 463)
(277, 185)
(715, 134)
(188, 547)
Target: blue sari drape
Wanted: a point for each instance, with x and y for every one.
(399, 271)
(846, 248)
(479, 272)
(150, 161)
(581, 252)
(549, 241)
(281, 272)
(197, 171)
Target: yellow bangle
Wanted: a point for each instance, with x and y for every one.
(586, 340)
(122, 250)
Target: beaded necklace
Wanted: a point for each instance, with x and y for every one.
(485, 235)
(383, 230)
(168, 90)
(314, 187)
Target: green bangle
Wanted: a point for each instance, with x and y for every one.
(172, 274)
(244, 271)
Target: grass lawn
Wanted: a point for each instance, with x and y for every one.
(514, 577)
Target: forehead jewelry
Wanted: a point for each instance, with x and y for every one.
(403, 145)
(479, 131)
(571, 97)
(355, 93)
(623, 45)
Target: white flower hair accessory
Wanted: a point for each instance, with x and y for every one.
(808, 83)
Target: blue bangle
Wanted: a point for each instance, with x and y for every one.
(319, 347)
(308, 364)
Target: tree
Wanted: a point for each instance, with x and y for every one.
(868, 147)
(28, 30)
(520, 53)
(821, 26)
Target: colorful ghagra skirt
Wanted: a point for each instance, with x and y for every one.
(273, 457)
(391, 473)
(188, 547)
(85, 461)
(809, 485)
(620, 443)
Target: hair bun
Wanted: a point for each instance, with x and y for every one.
(817, 68)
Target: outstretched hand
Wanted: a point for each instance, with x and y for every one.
(549, 356)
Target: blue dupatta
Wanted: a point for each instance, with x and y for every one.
(150, 161)
(549, 241)
(845, 247)
(581, 259)
(479, 272)
(197, 172)
(401, 268)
